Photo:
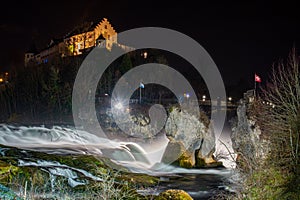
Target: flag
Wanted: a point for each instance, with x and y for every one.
(257, 78)
(142, 85)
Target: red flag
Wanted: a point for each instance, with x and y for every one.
(257, 78)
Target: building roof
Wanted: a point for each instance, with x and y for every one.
(81, 28)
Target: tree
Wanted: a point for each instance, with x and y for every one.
(279, 116)
(284, 92)
(53, 89)
(126, 64)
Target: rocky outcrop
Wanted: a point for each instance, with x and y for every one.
(247, 140)
(192, 141)
(135, 122)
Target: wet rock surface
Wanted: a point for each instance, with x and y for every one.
(192, 140)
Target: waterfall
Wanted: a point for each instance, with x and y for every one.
(68, 140)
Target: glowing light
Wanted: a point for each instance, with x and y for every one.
(1, 80)
(229, 98)
(145, 54)
(119, 106)
(142, 85)
(203, 97)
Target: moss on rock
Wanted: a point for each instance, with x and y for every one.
(174, 195)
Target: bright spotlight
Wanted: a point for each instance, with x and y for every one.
(119, 106)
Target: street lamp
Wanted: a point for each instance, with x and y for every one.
(141, 86)
(145, 54)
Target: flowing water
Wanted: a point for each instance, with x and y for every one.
(199, 183)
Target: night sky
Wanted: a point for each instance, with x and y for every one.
(242, 38)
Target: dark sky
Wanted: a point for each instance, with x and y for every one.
(242, 38)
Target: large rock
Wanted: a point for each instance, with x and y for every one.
(138, 122)
(192, 140)
(174, 195)
(247, 140)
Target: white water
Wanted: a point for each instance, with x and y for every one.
(68, 140)
(57, 169)
(139, 158)
(225, 151)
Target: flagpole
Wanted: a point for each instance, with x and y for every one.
(140, 95)
(254, 87)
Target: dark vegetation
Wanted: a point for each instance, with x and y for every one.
(276, 112)
(42, 93)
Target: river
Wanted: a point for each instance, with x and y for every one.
(199, 183)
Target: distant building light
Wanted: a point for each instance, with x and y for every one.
(203, 97)
(229, 98)
(1, 80)
(6, 73)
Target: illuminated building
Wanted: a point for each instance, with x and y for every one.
(80, 39)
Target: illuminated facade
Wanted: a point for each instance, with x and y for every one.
(82, 38)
